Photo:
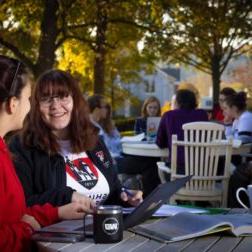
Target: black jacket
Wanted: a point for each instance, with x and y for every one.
(43, 176)
(140, 125)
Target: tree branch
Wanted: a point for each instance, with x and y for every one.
(18, 53)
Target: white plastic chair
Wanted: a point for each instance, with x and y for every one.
(202, 143)
(162, 169)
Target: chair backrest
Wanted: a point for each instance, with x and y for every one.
(203, 132)
(202, 144)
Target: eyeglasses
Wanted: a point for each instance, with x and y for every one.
(13, 83)
(47, 101)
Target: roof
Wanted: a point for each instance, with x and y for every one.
(174, 72)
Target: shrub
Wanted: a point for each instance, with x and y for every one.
(125, 124)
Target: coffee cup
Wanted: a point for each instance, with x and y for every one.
(108, 224)
(248, 191)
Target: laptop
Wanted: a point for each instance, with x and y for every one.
(75, 228)
(152, 125)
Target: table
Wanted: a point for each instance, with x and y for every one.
(144, 149)
(152, 150)
(138, 243)
(238, 148)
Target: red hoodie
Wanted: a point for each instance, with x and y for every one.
(14, 233)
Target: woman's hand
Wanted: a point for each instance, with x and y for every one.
(31, 221)
(74, 210)
(87, 204)
(227, 119)
(133, 197)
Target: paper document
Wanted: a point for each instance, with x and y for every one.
(236, 142)
(136, 138)
(169, 210)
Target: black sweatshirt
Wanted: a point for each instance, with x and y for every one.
(43, 176)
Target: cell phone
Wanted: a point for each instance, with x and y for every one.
(58, 237)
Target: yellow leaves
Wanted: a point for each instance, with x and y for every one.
(75, 58)
(166, 107)
(78, 60)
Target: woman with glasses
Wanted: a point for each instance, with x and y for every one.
(58, 156)
(17, 222)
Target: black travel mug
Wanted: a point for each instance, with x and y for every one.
(108, 224)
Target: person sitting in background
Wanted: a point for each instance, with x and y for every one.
(172, 121)
(59, 157)
(111, 135)
(97, 107)
(151, 107)
(218, 110)
(235, 106)
(18, 222)
(125, 164)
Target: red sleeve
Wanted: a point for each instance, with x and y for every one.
(15, 237)
(45, 214)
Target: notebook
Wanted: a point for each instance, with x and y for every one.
(144, 211)
(187, 225)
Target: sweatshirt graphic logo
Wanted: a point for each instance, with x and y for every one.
(83, 171)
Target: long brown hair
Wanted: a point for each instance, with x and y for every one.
(82, 133)
(238, 100)
(148, 101)
(107, 123)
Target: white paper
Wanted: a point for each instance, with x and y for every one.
(169, 210)
(136, 138)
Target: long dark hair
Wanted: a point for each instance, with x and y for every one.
(107, 123)
(82, 133)
(238, 100)
(227, 91)
(13, 78)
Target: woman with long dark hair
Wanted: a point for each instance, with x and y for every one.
(17, 222)
(235, 106)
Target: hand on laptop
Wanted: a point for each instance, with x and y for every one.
(86, 202)
(133, 197)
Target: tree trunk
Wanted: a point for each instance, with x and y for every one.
(216, 75)
(100, 51)
(49, 34)
(99, 72)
